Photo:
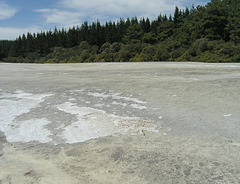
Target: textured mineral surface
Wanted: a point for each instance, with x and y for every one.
(105, 123)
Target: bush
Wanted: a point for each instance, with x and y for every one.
(91, 59)
(176, 53)
(124, 55)
(199, 46)
(185, 57)
(53, 60)
(149, 53)
(84, 56)
(236, 58)
(18, 59)
(105, 47)
(32, 56)
(209, 57)
(228, 49)
(84, 46)
(162, 54)
(149, 38)
(115, 47)
(137, 58)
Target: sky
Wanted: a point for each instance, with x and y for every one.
(19, 17)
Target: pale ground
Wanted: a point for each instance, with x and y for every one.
(107, 123)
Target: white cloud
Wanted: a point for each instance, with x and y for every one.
(75, 12)
(58, 17)
(6, 12)
(11, 33)
(124, 8)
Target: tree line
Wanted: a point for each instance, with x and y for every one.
(209, 33)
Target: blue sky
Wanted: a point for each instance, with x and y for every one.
(22, 16)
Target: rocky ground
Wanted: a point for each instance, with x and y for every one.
(120, 123)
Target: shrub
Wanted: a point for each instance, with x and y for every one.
(105, 47)
(115, 47)
(199, 46)
(176, 53)
(162, 54)
(209, 57)
(185, 57)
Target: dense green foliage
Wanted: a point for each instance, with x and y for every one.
(208, 33)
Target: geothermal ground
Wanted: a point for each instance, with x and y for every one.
(107, 123)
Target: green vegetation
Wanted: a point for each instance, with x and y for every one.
(208, 33)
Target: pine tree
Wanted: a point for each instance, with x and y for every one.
(85, 31)
(145, 25)
(215, 20)
(176, 16)
(93, 34)
(62, 38)
(233, 25)
(100, 34)
(29, 43)
(134, 34)
(72, 37)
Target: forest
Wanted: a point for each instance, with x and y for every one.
(209, 33)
